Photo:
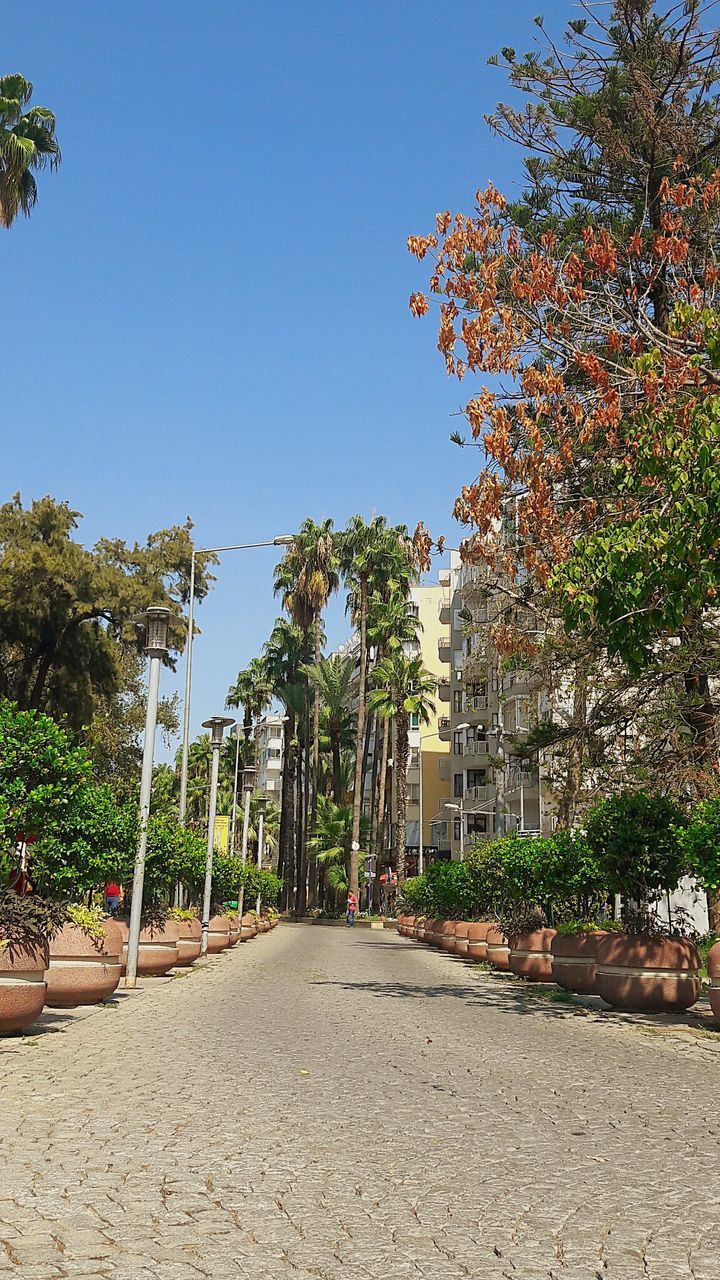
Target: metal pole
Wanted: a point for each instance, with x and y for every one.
(421, 857)
(214, 771)
(462, 832)
(246, 824)
(145, 793)
(186, 704)
(261, 848)
(233, 820)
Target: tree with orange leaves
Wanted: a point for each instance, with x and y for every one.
(590, 306)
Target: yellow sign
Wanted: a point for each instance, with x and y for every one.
(220, 835)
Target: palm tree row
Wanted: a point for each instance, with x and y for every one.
(335, 707)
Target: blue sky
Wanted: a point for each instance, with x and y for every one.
(210, 298)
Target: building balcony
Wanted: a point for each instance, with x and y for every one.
(472, 580)
(444, 728)
(479, 795)
(477, 747)
(519, 683)
(474, 703)
(443, 688)
(444, 647)
(525, 779)
(444, 610)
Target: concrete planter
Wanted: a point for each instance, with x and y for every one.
(234, 930)
(22, 986)
(263, 925)
(647, 974)
(82, 969)
(714, 973)
(158, 950)
(218, 934)
(432, 932)
(497, 949)
(248, 928)
(124, 928)
(574, 961)
(446, 937)
(530, 956)
(462, 929)
(419, 929)
(189, 936)
(477, 939)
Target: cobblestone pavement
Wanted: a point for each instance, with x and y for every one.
(326, 1103)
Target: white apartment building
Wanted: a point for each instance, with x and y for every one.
(270, 756)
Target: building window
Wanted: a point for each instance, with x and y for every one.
(477, 823)
(414, 720)
(458, 786)
(476, 778)
(457, 702)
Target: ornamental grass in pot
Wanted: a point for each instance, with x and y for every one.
(651, 967)
(27, 924)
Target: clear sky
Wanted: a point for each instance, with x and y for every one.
(210, 299)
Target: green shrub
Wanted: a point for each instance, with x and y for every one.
(40, 773)
(700, 844)
(636, 838)
(93, 841)
(270, 888)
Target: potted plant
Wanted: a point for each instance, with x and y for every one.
(189, 934)
(700, 842)
(650, 967)
(85, 958)
(27, 924)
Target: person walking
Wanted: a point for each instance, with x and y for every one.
(352, 906)
(111, 897)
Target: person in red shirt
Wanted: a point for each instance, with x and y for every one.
(352, 906)
(112, 897)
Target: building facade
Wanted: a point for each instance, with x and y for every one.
(270, 756)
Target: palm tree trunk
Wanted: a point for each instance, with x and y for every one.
(381, 802)
(299, 823)
(359, 745)
(305, 824)
(336, 768)
(401, 759)
(314, 870)
(285, 837)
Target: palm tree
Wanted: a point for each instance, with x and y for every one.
(284, 654)
(27, 142)
(306, 578)
(373, 558)
(331, 679)
(331, 843)
(403, 687)
(253, 692)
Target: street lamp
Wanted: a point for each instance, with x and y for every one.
(249, 775)
(156, 620)
(261, 803)
(217, 726)
(240, 733)
(459, 808)
(284, 540)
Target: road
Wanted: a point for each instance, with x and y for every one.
(330, 1103)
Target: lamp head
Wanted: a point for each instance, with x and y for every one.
(262, 803)
(249, 775)
(217, 726)
(284, 540)
(156, 620)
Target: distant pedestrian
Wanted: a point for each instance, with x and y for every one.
(352, 906)
(112, 897)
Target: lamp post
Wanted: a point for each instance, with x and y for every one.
(240, 733)
(261, 810)
(217, 726)
(458, 808)
(156, 620)
(285, 540)
(249, 775)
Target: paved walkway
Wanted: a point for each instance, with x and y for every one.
(325, 1103)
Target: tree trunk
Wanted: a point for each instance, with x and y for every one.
(400, 769)
(314, 870)
(336, 769)
(303, 827)
(381, 805)
(286, 867)
(359, 745)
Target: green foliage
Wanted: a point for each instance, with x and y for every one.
(40, 773)
(228, 877)
(635, 838)
(270, 889)
(700, 844)
(451, 890)
(90, 919)
(28, 921)
(94, 841)
(27, 143)
(182, 913)
(414, 897)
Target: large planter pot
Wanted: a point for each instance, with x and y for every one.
(461, 938)
(530, 955)
(218, 934)
(419, 929)
(411, 927)
(647, 974)
(81, 969)
(446, 937)
(497, 949)
(189, 938)
(713, 965)
(263, 925)
(22, 986)
(124, 928)
(274, 922)
(574, 961)
(234, 930)
(477, 939)
(248, 928)
(158, 950)
(428, 932)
